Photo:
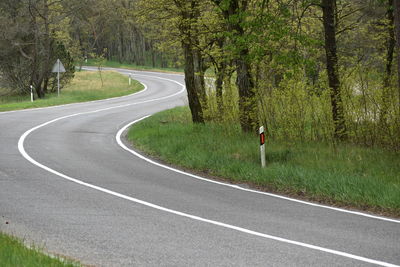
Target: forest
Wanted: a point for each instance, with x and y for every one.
(308, 70)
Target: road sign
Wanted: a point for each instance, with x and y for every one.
(58, 67)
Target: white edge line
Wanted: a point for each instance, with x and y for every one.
(148, 204)
(178, 213)
(238, 187)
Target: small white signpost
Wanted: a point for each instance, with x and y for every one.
(130, 78)
(31, 93)
(262, 146)
(58, 67)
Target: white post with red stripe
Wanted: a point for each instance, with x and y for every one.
(262, 146)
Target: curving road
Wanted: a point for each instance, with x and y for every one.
(67, 182)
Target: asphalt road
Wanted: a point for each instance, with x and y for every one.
(69, 186)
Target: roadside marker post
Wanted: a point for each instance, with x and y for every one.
(31, 93)
(130, 78)
(262, 146)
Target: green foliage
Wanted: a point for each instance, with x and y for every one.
(99, 61)
(65, 57)
(228, 111)
(288, 68)
(348, 175)
(292, 113)
(59, 51)
(297, 111)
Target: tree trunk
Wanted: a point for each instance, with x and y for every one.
(220, 72)
(36, 80)
(193, 60)
(45, 72)
(153, 55)
(247, 96)
(121, 54)
(45, 84)
(397, 27)
(219, 80)
(244, 81)
(340, 132)
(198, 64)
(39, 92)
(198, 61)
(233, 13)
(194, 102)
(391, 42)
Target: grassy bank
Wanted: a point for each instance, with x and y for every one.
(86, 86)
(116, 64)
(349, 176)
(14, 253)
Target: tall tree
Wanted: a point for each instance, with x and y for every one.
(390, 45)
(234, 14)
(188, 14)
(328, 10)
(182, 17)
(397, 26)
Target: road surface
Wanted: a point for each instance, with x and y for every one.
(67, 183)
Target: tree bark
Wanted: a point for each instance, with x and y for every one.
(247, 95)
(244, 81)
(219, 80)
(220, 72)
(194, 75)
(121, 49)
(153, 55)
(198, 63)
(397, 27)
(36, 79)
(390, 44)
(194, 101)
(233, 15)
(45, 72)
(328, 9)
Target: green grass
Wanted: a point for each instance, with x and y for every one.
(14, 253)
(350, 176)
(86, 86)
(115, 64)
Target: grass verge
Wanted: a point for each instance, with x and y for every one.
(14, 253)
(86, 86)
(115, 64)
(347, 176)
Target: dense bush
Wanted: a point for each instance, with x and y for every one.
(298, 110)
